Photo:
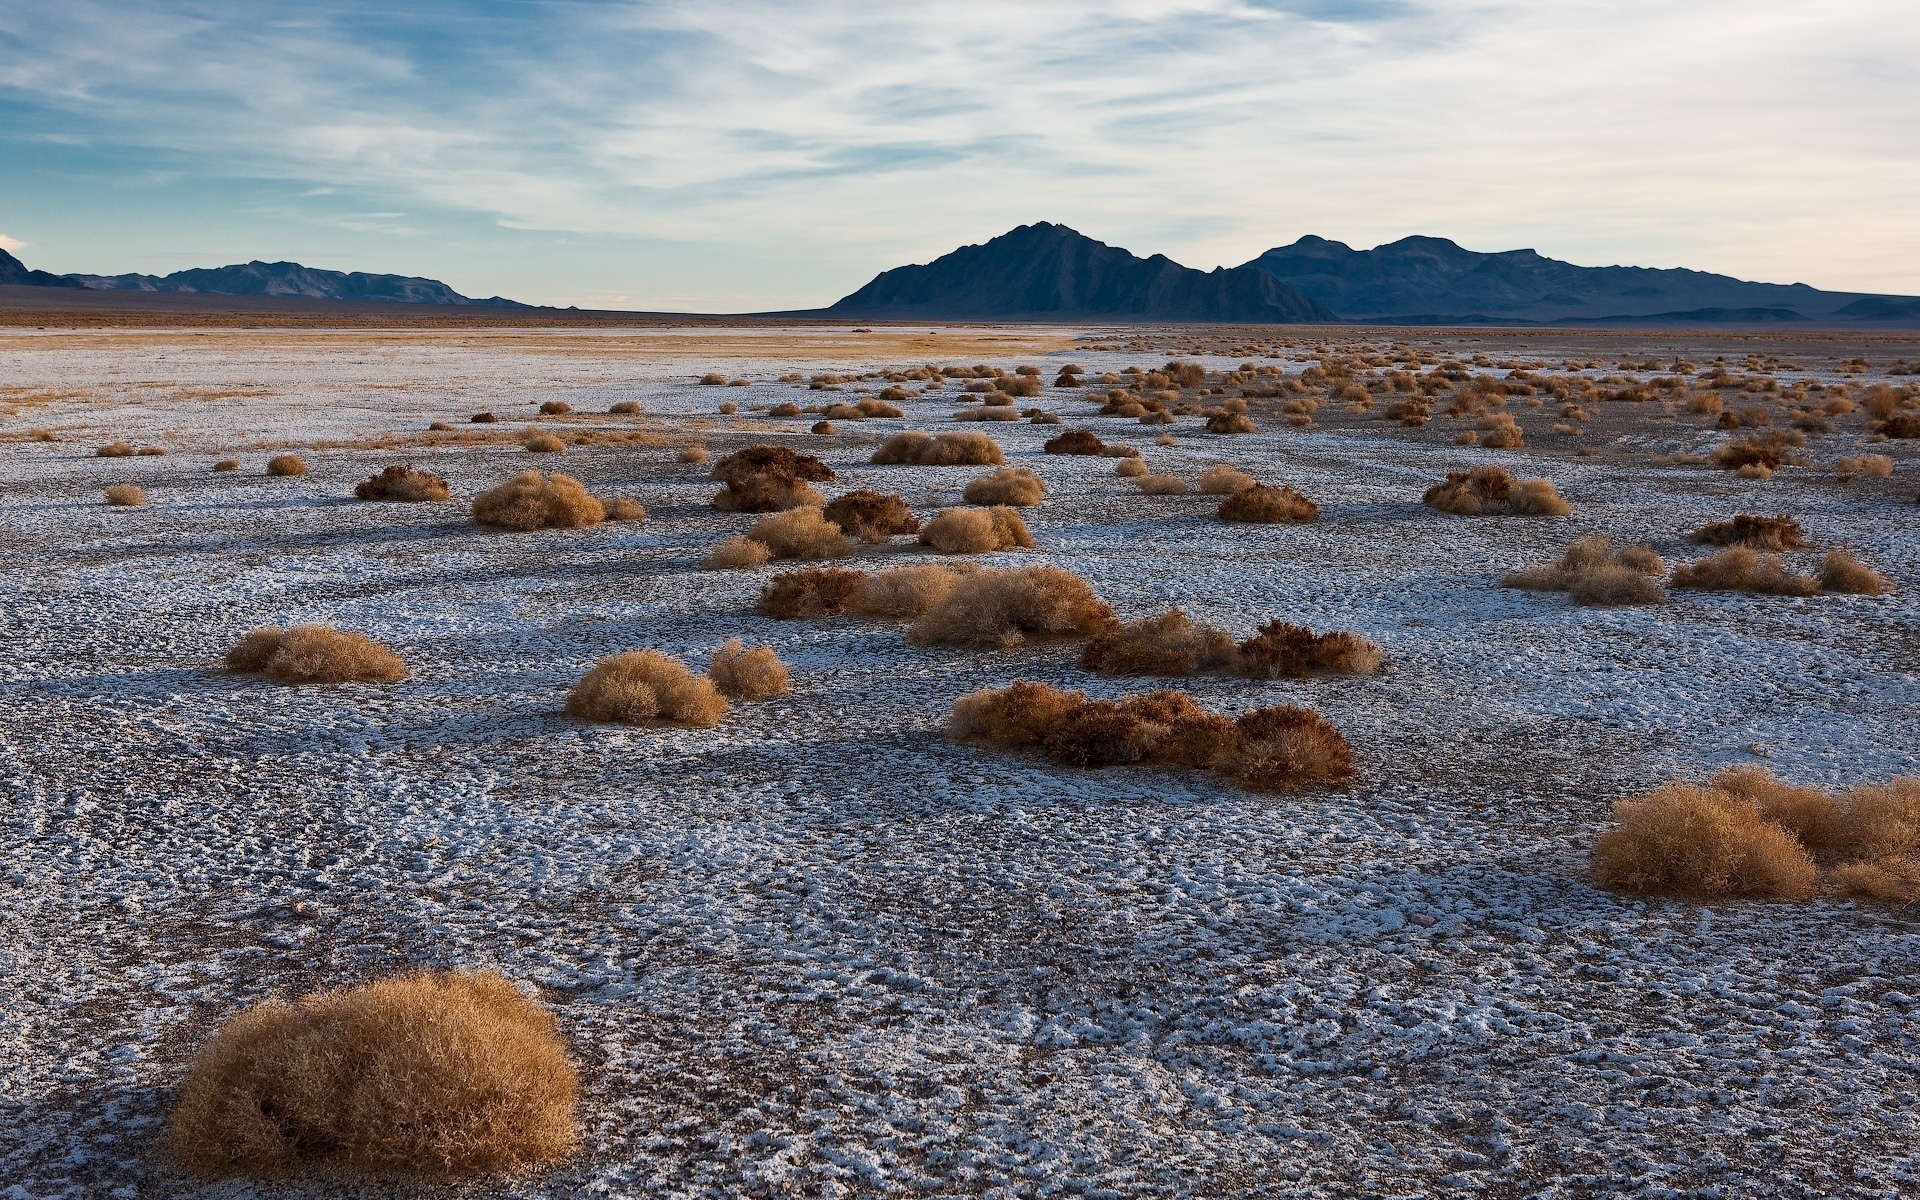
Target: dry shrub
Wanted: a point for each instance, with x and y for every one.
(1488, 490)
(1264, 505)
(742, 672)
(811, 593)
(1222, 480)
(625, 508)
(1899, 425)
(1499, 431)
(1761, 533)
(987, 414)
(533, 501)
(1074, 441)
(1231, 423)
(1112, 450)
(151, 452)
(1282, 748)
(1593, 571)
(624, 408)
(1883, 819)
(908, 591)
(768, 479)
(645, 687)
(315, 654)
(1742, 569)
(1131, 468)
(1161, 485)
(401, 482)
(539, 441)
(873, 517)
(1008, 485)
(998, 609)
(453, 1074)
(912, 448)
(842, 411)
(785, 409)
(1283, 651)
(286, 464)
(1466, 437)
(1868, 466)
(1684, 840)
(735, 553)
(692, 454)
(800, 533)
(555, 408)
(114, 450)
(1169, 644)
(1754, 471)
(1021, 714)
(227, 464)
(713, 379)
(1042, 418)
(1842, 573)
(126, 495)
(880, 408)
(730, 408)
(483, 418)
(439, 427)
(1770, 450)
(977, 530)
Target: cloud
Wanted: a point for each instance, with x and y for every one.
(1764, 137)
(11, 244)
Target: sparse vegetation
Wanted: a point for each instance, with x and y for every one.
(531, 500)
(964, 449)
(811, 593)
(1593, 571)
(539, 441)
(645, 687)
(286, 465)
(1759, 533)
(1867, 466)
(800, 533)
(227, 464)
(126, 495)
(872, 517)
(768, 479)
(1261, 504)
(1074, 441)
(1843, 574)
(692, 454)
(1279, 650)
(1168, 644)
(977, 530)
(1161, 485)
(114, 450)
(555, 408)
(402, 483)
(1489, 491)
(1131, 468)
(1222, 480)
(624, 408)
(743, 672)
(1743, 569)
(736, 553)
(908, 591)
(999, 609)
(1015, 486)
(483, 418)
(315, 654)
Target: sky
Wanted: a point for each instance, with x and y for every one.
(751, 155)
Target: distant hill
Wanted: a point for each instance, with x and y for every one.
(15, 272)
(1049, 272)
(1433, 280)
(290, 279)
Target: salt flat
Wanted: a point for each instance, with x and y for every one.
(820, 950)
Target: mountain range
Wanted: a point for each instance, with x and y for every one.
(259, 279)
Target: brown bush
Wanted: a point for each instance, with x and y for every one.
(692, 454)
(624, 408)
(1684, 840)
(1279, 650)
(401, 482)
(713, 379)
(873, 517)
(1899, 425)
(126, 495)
(1074, 441)
(729, 408)
(1488, 490)
(453, 1074)
(879, 408)
(539, 441)
(625, 508)
(1018, 715)
(811, 593)
(483, 418)
(987, 414)
(842, 412)
(735, 553)
(1593, 571)
(907, 591)
(114, 450)
(1499, 431)
(151, 452)
(532, 501)
(1283, 748)
(1742, 569)
(913, 448)
(645, 687)
(1169, 644)
(1161, 485)
(227, 464)
(1842, 573)
(1231, 423)
(1867, 466)
(800, 533)
(1882, 820)
(1112, 450)
(1008, 485)
(1222, 480)
(768, 479)
(748, 673)
(977, 530)
(1760, 533)
(315, 654)
(999, 609)
(1162, 728)
(785, 409)
(1263, 505)
(1770, 450)
(286, 464)
(1131, 468)
(555, 408)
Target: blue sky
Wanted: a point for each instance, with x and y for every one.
(727, 155)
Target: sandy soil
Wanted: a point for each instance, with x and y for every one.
(820, 950)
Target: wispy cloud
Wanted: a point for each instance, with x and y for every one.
(1768, 138)
(11, 244)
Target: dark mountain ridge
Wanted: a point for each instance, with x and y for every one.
(16, 273)
(259, 279)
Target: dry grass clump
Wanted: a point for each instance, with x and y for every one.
(977, 530)
(126, 495)
(1131, 468)
(1499, 431)
(692, 454)
(1867, 466)
(1843, 574)
(736, 553)
(1222, 480)
(531, 500)
(880, 408)
(811, 593)
(800, 533)
(1074, 441)
(151, 452)
(625, 508)
(315, 654)
(1593, 571)
(1231, 423)
(1264, 505)
(1279, 650)
(1168, 644)
(1760, 533)
(785, 409)
(227, 464)
(999, 609)
(539, 441)
(454, 1074)
(286, 464)
(768, 479)
(1767, 451)
(742, 672)
(1272, 749)
(645, 687)
(1488, 490)
(1746, 833)
(1161, 485)
(1008, 485)
(555, 408)
(624, 408)
(114, 450)
(873, 517)
(842, 411)
(905, 591)
(994, 411)
(912, 448)
(482, 418)
(1743, 569)
(401, 482)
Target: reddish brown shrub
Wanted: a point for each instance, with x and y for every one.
(1842, 573)
(1169, 644)
(748, 673)
(1279, 650)
(1742, 569)
(286, 464)
(624, 408)
(1263, 505)
(483, 418)
(913, 448)
(126, 495)
(532, 501)
(999, 609)
(811, 593)
(1009, 485)
(1760, 533)
(1769, 450)
(768, 479)
(555, 408)
(645, 687)
(315, 654)
(872, 517)
(402, 482)
(1488, 490)
(1284, 747)
(227, 464)
(1074, 441)
(977, 531)
(1231, 423)
(1131, 468)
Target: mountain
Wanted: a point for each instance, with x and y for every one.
(290, 279)
(1050, 272)
(15, 272)
(1433, 280)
